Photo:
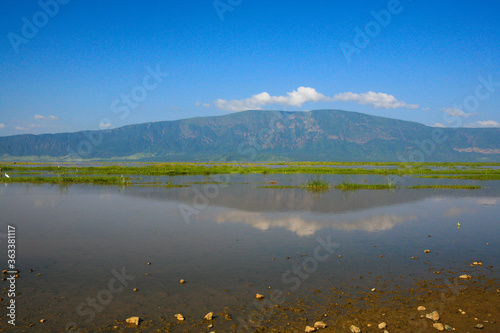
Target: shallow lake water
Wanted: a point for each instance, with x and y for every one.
(91, 245)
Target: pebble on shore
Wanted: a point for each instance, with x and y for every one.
(179, 317)
(133, 320)
(438, 326)
(355, 329)
(465, 276)
(209, 316)
(427, 251)
(382, 325)
(320, 324)
(182, 281)
(421, 308)
(259, 296)
(434, 316)
(310, 329)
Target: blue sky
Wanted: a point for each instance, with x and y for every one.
(72, 65)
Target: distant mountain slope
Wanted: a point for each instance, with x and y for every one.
(332, 135)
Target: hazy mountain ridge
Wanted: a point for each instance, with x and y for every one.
(266, 135)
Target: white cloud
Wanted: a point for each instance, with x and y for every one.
(486, 123)
(377, 100)
(105, 125)
(206, 105)
(457, 112)
(40, 117)
(20, 128)
(425, 109)
(2, 125)
(294, 98)
(307, 94)
(438, 125)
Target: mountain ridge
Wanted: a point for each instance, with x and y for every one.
(260, 135)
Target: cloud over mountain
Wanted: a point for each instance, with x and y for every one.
(307, 94)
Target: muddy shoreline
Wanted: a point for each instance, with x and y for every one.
(462, 304)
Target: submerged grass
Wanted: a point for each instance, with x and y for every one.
(278, 186)
(68, 180)
(348, 186)
(456, 187)
(485, 176)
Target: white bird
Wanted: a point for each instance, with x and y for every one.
(6, 175)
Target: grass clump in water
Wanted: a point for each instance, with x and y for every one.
(317, 185)
(278, 186)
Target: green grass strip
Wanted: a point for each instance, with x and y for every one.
(455, 187)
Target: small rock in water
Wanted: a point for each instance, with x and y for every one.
(136, 290)
(148, 263)
(373, 289)
(465, 276)
(42, 321)
(448, 328)
(310, 329)
(182, 281)
(209, 316)
(438, 326)
(382, 325)
(434, 315)
(320, 324)
(355, 329)
(133, 320)
(259, 296)
(421, 308)
(179, 317)
(427, 251)
(479, 326)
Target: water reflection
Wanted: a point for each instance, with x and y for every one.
(309, 224)
(76, 236)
